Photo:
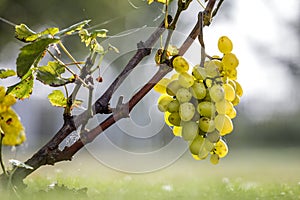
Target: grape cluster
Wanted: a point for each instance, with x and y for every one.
(200, 105)
(10, 124)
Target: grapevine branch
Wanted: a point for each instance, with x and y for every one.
(50, 153)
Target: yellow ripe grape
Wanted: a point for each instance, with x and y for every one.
(236, 100)
(166, 117)
(225, 45)
(214, 158)
(180, 64)
(163, 102)
(231, 82)
(161, 86)
(177, 130)
(221, 148)
(6, 100)
(2, 93)
(239, 90)
(213, 68)
(174, 76)
(224, 107)
(12, 127)
(185, 79)
(229, 92)
(232, 114)
(230, 61)
(217, 93)
(196, 157)
(231, 74)
(223, 124)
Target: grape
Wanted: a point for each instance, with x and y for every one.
(208, 145)
(174, 119)
(12, 127)
(173, 106)
(163, 102)
(203, 153)
(166, 117)
(185, 79)
(214, 158)
(239, 89)
(221, 148)
(211, 69)
(190, 130)
(232, 114)
(224, 107)
(206, 124)
(2, 93)
(174, 76)
(223, 124)
(186, 111)
(206, 109)
(229, 92)
(177, 131)
(232, 83)
(231, 73)
(172, 88)
(236, 100)
(213, 136)
(161, 86)
(196, 157)
(198, 90)
(225, 45)
(180, 64)
(196, 145)
(183, 95)
(230, 61)
(199, 72)
(217, 93)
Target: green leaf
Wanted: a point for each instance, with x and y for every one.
(99, 33)
(76, 27)
(51, 74)
(57, 98)
(4, 73)
(23, 89)
(22, 32)
(25, 34)
(31, 53)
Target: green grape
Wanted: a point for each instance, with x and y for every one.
(203, 153)
(161, 86)
(211, 69)
(206, 124)
(185, 79)
(239, 90)
(208, 145)
(217, 93)
(221, 148)
(223, 124)
(230, 61)
(196, 145)
(177, 130)
(190, 130)
(186, 111)
(12, 127)
(166, 118)
(180, 64)
(163, 102)
(183, 95)
(173, 87)
(224, 107)
(207, 97)
(232, 113)
(206, 109)
(236, 100)
(173, 106)
(225, 45)
(229, 92)
(198, 90)
(174, 76)
(214, 158)
(174, 119)
(213, 136)
(199, 72)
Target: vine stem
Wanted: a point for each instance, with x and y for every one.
(1, 158)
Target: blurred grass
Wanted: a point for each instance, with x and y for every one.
(243, 174)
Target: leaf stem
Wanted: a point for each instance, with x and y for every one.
(68, 54)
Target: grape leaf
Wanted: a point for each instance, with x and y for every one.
(23, 89)
(51, 74)
(57, 98)
(4, 73)
(99, 33)
(32, 53)
(76, 27)
(25, 34)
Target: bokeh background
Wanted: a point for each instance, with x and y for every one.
(266, 37)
